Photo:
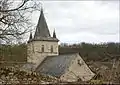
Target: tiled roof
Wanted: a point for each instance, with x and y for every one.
(55, 65)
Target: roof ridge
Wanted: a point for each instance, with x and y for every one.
(41, 63)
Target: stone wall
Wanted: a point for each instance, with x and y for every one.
(35, 53)
(78, 70)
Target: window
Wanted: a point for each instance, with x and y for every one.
(42, 48)
(51, 49)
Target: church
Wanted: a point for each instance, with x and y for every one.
(43, 56)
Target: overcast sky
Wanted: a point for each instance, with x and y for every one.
(82, 21)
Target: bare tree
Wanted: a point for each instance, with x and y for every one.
(115, 71)
(15, 18)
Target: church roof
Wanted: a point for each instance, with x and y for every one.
(42, 28)
(56, 65)
(42, 31)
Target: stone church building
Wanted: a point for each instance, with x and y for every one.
(43, 56)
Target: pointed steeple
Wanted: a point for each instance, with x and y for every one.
(54, 34)
(30, 36)
(42, 28)
(42, 31)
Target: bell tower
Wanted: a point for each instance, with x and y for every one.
(42, 44)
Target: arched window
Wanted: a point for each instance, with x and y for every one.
(42, 48)
(51, 49)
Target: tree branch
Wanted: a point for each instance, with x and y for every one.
(15, 8)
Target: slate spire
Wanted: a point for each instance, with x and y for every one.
(42, 28)
(54, 34)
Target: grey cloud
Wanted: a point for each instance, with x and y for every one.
(75, 21)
